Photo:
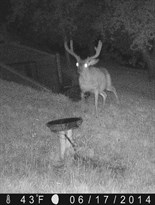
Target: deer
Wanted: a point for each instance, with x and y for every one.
(91, 78)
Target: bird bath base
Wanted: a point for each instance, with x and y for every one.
(64, 129)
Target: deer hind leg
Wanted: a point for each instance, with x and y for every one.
(113, 89)
(104, 96)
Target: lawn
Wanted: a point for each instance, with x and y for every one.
(118, 146)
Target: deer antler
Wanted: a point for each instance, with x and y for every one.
(71, 50)
(97, 49)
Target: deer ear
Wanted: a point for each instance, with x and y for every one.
(93, 61)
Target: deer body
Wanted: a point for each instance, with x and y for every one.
(91, 78)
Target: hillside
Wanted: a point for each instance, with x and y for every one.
(122, 139)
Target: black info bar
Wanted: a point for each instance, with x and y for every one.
(47, 199)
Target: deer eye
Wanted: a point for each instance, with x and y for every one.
(85, 65)
(77, 64)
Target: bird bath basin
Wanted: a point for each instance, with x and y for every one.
(64, 129)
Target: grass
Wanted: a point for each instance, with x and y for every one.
(118, 147)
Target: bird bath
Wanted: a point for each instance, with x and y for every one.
(64, 129)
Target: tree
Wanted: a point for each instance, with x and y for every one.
(86, 21)
(52, 21)
(50, 18)
(136, 19)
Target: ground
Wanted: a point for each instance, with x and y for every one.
(121, 140)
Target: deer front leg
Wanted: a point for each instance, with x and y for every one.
(82, 96)
(96, 102)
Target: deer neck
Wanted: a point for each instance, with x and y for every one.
(85, 73)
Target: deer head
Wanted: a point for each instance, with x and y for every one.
(88, 61)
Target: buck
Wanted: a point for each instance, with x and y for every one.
(91, 78)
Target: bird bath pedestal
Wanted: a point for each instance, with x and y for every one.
(64, 129)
